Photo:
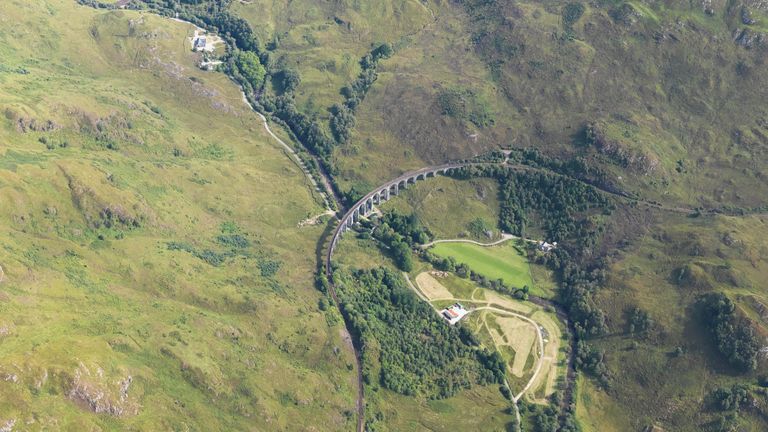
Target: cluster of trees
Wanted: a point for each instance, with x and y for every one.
(246, 68)
(577, 168)
(306, 129)
(400, 233)
(213, 15)
(571, 13)
(578, 284)
(343, 115)
(734, 335)
(549, 418)
(639, 322)
(406, 348)
(592, 361)
(558, 201)
(288, 80)
(727, 399)
(478, 227)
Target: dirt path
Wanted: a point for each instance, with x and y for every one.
(488, 307)
(293, 156)
(499, 310)
(315, 220)
(504, 237)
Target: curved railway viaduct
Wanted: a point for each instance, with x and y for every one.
(362, 208)
(358, 210)
(378, 196)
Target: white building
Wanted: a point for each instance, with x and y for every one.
(200, 43)
(454, 313)
(546, 247)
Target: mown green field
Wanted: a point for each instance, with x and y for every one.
(503, 261)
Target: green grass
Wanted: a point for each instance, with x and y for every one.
(495, 262)
(480, 408)
(447, 206)
(210, 344)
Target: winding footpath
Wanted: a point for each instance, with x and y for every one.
(497, 309)
(501, 311)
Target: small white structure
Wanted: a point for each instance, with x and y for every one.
(454, 313)
(210, 65)
(546, 247)
(200, 43)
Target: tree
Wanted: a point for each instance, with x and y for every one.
(639, 322)
(250, 68)
(342, 122)
(735, 337)
(403, 256)
(289, 80)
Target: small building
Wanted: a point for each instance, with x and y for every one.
(546, 247)
(454, 313)
(200, 43)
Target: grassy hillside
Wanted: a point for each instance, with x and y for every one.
(668, 376)
(153, 274)
(665, 99)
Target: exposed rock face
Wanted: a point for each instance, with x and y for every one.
(7, 426)
(25, 125)
(635, 160)
(749, 39)
(625, 14)
(707, 7)
(91, 391)
(746, 16)
(99, 208)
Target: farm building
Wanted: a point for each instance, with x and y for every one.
(200, 43)
(546, 247)
(454, 313)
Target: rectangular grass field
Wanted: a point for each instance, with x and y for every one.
(494, 262)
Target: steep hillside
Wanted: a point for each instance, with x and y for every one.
(153, 273)
(159, 248)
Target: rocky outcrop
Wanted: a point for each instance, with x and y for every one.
(92, 392)
(624, 14)
(746, 16)
(100, 209)
(29, 124)
(635, 160)
(749, 39)
(7, 426)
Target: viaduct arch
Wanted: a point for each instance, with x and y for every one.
(379, 195)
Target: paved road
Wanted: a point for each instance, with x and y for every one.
(504, 237)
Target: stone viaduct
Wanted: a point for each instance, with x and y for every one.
(378, 196)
